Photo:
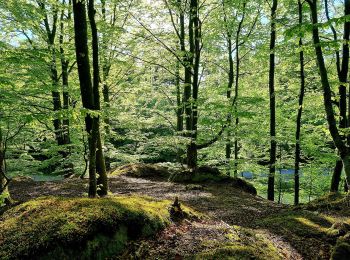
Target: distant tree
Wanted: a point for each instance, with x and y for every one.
(273, 142)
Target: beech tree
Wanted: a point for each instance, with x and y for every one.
(338, 140)
(90, 94)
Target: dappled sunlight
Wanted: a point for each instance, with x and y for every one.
(310, 223)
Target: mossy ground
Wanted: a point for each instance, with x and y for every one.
(323, 223)
(205, 239)
(304, 232)
(243, 244)
(62, 228)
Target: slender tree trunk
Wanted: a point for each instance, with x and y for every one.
(105, 72)
(272, 166)
(229, 91)
(188, 63)
(179, 106)
(56, 99)
(2, 165)
(238, 61)
(194, 40)
(86, 89)
(100, 160)
(300, 111)
(68, 167)
(228, 144)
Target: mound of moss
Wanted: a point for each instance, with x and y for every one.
(212, 177)
(332, 201)
(204, 174)
(72, 228)
(141, 170)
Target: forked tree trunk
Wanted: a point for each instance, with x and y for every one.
(100, 160)
(86, 90)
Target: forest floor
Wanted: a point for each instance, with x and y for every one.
(302, 236)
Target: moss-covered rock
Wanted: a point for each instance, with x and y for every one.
(204, 177)
(204, 174)
(141, 170)
(67, 228)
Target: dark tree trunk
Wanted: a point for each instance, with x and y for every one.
(56, 98)
(2, 165)
(273, 144)
(68, 167)
(188, 61)
(229, 94)
(194, 40)
(100, 161)
(300, 111)
(86, 89)
(327, 94)
(179, 106)
(238, 61)
(336, 177)
(342, 70)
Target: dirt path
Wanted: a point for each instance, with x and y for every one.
(225, 205)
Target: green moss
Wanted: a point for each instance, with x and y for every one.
(243, 244)
(334, 201)
(299, 223)
(56, 228)
(141, 170)
(205, 177)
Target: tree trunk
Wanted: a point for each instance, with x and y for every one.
(68, 167)
(229, 92)
(327, 94)
(336, 177)
(342, 70)
(194, 40)
(272, 166)
(346, 165)
(238, 32)
(82, 56)
(100, 160)
(300, 111)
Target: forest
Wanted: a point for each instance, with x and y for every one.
(174, 129)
